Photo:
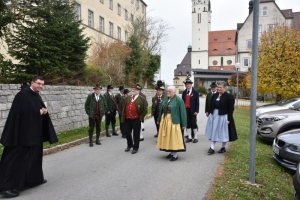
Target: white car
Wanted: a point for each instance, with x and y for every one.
(289, 103)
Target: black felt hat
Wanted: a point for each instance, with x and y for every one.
(137, 86)
(213, 85)
(188, 80)
(121, 88)
(97, 86)
(109, 87)
(126, 91)
(160, 88)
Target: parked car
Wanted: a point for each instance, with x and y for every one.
(271, 124)
(292, 102)
(296, 183)
(286, 148)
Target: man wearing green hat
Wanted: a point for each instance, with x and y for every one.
(95, 108)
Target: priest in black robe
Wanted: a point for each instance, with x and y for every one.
(28, 125)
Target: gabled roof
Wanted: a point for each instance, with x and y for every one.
(185, 65)
(296, 20)
(221, 43)
(287, 13)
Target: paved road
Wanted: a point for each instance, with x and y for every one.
(107, 172)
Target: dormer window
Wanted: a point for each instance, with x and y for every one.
(265, 11)
(215, 39)
(229, 38)
(180, 73)
(215, 50)
(229, 48)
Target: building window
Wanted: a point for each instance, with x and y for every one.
(111, 4)
(77, 12)
(204, 9)
(131, 18)
(180, 73)
(215, 62)
(246, 62)
(119, 9)
(126, 36)
(90, 18)
(270, 27)
(111, 29)
(229, 62)
(249, 44)
(101, 24)
(187, 72)
(126, 15)
(199, 62)
(119, 33)
(137, 4)
(102, 1)
(199, 18)
(265, 11)
(143, 8)
(259, 29)
(132, 1)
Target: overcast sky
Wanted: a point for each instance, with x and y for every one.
(225, 15)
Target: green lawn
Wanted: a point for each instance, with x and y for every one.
(273, 181)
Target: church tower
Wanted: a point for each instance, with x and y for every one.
(201, 25)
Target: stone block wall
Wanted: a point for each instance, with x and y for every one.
(65, 104)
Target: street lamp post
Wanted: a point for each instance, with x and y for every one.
(237, 66)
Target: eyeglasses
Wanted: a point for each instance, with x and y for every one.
(40, 84)
(169, 91)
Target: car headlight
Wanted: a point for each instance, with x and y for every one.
(294, 147)
(273, 118)
(258, 112)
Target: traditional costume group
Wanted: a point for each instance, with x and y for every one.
(28, 126)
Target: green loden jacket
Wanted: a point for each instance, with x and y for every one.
(90, 105)
(178, 112)
(141, 106)
(118, 98)
(208, 102)
(109, 102)
(154, 103)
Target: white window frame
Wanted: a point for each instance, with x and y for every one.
(246, 62)
(90, 18)
(249, 44)
(77, 11)
(126, 36)
(119, 33)
(111, 4)
(137, 4)
(271, 27)
(132, 1)
(111, 29)
(101, 24)
(126, 15)
(265, 11)
(119, 9)
(260, 29)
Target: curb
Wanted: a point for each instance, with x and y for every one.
(78, 142)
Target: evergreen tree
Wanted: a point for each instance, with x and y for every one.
(48, 41)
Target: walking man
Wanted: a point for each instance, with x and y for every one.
(118, 98)
(190, 97)
(213, 88)
(133, 114)
(120, 108)
(95, 108)
(112, 106)
(156, 102)
(28, 125)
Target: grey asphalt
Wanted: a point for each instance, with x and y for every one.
(107, 172)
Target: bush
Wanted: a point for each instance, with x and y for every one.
(202, 90)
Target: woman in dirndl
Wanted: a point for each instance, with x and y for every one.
(171, 120)
(220, 125)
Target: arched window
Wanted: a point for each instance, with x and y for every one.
(265, 11)
(180, 73)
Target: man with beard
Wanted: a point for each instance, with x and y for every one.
(133, 113)
(28, 125)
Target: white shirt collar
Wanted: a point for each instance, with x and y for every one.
(136, 96)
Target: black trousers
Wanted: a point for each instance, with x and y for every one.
(111, 117)
(94, 121)
(135, 126)
(121, 124)
(155, 120)
(20, 167)
(191, 119)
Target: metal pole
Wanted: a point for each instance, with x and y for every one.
(254, 90)
(237, 87)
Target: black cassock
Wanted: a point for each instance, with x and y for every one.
(23, 135)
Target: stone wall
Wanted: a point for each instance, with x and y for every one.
(65, 104)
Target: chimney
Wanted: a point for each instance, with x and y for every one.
(250, 6)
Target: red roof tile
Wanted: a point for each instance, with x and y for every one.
(222, 43)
